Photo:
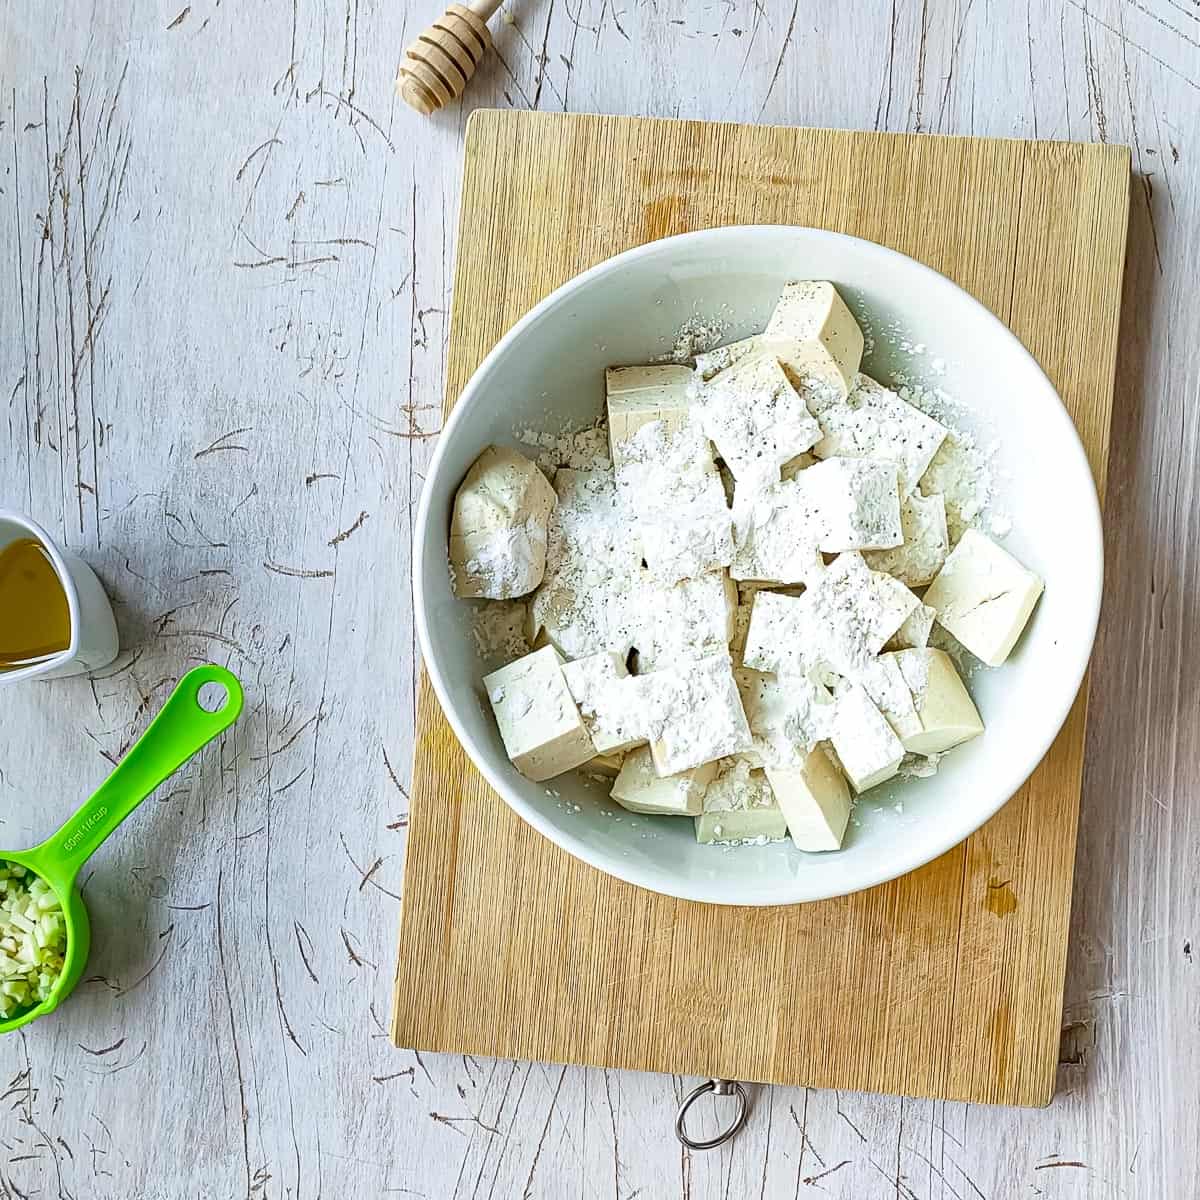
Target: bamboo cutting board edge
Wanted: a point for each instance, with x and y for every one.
(979, 1023)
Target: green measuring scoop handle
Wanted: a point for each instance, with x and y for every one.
(179, 730)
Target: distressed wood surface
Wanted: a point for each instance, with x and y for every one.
(225, 262)
(956, 970)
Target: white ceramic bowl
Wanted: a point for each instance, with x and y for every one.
(547, 373)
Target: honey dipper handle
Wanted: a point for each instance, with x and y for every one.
(437, 66)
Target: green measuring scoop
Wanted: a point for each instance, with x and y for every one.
(181, 729)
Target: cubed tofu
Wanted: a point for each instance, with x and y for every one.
(641, 789)
(639, 395)
(814, 800)
(695, 616)
(780, 637)
(601, 688)
(756, 419)
(788, 715)
(739, 805)
(694, 714)
(540, 724)
(873, 422)
(914, 630)
(825, 338)
(868, 749)
(584, 603)
(855, 503)
(889, 690)
(776, 531)
(840, 623)
(984, 597)
(668, 481)
(498, 530)
(896, 605)
(946, 715)
(926, 542)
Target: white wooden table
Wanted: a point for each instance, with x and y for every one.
(226, 255)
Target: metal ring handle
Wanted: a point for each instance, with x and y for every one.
(718, 1087)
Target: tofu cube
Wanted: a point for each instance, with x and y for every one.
(825, 338)
(776, 534)
(889, 690)
(896, 605)
(926, 542)
(814, 800)
(983, 596)
(604, 693)
(540, 725)
(638, 395)
(667, 479)
(781, 636)
(873, 422)
(499, 526)
(641, 789)
(694, 714)
(788, 715)
(914, 630)
(840, 623)
(584, 603)
(855, 502)
(695, 615)
(946, 715)
(739, 805)
(756, 419)
(867, 748)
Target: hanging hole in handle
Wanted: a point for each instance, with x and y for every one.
(212, 697)
(718, 1087)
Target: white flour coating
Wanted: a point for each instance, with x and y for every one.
(775, 534)
(787, 715)
(584, 600)
(694, 714)
(873, 422)
(508, 558)
(756, 419)
(691, 619)
(914, 666)
(608, 700)
(839, 625)
(673, 495)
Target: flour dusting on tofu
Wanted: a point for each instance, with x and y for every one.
(751, 590)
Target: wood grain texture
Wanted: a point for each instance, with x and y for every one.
(957, 996)
(270, 240)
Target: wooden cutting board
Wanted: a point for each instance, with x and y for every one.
(947, 983)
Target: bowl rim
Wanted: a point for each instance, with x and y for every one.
(750, 893)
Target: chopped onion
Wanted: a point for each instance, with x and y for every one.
(33, 939)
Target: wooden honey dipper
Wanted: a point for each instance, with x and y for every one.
(437, 66)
